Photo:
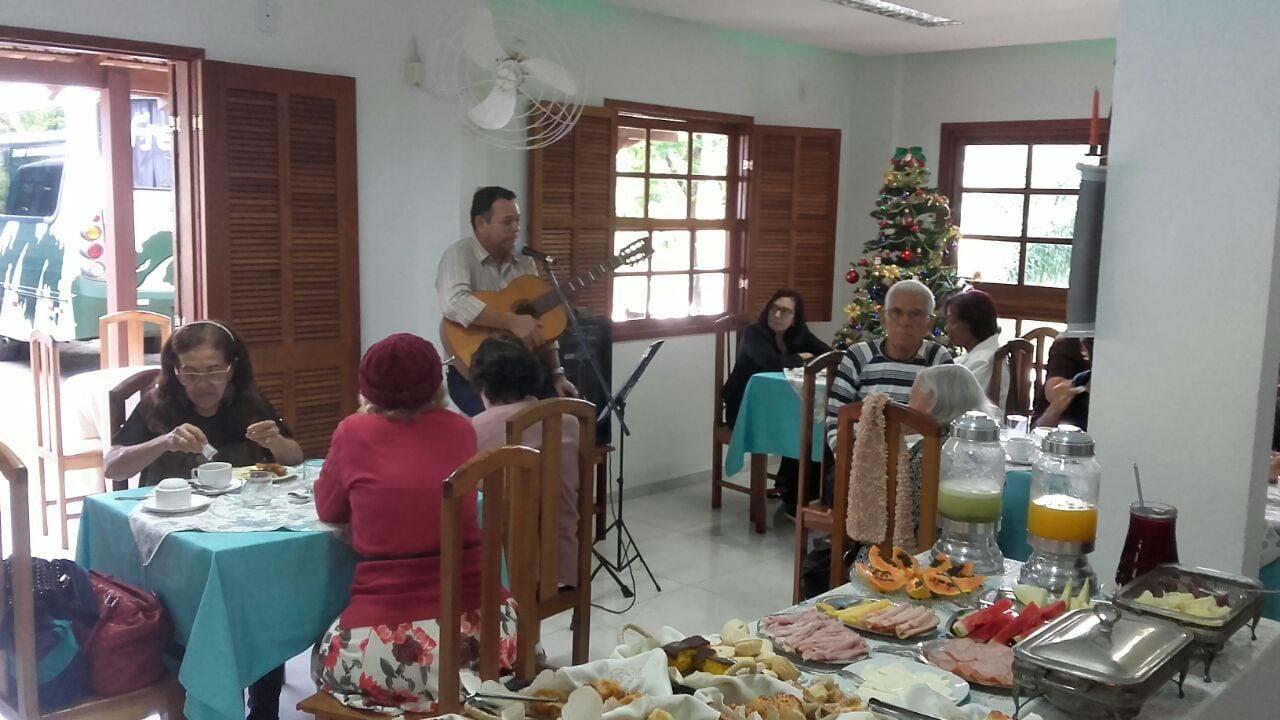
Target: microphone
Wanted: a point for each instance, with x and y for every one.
(537, 255)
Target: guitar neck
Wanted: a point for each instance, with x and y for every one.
(549, 300)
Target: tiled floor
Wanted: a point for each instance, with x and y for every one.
(711, 567)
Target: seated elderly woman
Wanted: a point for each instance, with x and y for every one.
(971, 324)
(508, 377)
(890, 365)
(1068, 374)
(385, 477)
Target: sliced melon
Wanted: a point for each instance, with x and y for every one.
(1028, 594)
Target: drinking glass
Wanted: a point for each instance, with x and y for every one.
(257, 490)
(311, 471)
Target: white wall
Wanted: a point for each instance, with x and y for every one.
(1029, 82)
(1189, 305)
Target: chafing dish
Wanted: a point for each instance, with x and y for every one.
(1097, 662)
(1209, 635)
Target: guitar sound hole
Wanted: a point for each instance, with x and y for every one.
(524, 308)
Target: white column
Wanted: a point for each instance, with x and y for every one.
(1189, 298)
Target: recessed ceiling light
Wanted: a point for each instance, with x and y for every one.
(897, 12)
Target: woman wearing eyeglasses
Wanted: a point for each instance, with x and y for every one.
(778, 339)
(205, 395)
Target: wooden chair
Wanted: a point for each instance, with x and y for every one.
(510, 479)
(899, 420)
(52, 449)
(728, 330)
(19, 693)
(1041, 337)
(130, 326)
(550, 599)
(117, 402)
(811, 516)
(1015, 358)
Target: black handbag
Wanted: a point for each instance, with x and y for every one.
(66, 611)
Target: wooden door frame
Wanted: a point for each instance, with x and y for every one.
(184, 62)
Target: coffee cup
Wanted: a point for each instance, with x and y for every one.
(216, 475)
(1019, 448)
(173, 494)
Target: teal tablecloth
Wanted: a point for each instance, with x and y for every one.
(769, 422)
(242, 603)
(1012, 537)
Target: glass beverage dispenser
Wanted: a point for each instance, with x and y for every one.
(970, 487)
(1062, 517)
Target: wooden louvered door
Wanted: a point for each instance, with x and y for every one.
(571, 202)
(280, 235)
(792, 210)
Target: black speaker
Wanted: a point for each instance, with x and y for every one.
(598, 337)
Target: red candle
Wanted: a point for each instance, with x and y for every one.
(1094, 123)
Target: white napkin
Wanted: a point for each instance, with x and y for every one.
(923, 699)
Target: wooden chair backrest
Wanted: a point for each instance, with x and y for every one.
(509, 478)
(824, 364)
(1013, 358)
(728, 331)
(552, 414)
(19, 694)
(1040, 337)
(46, 376)
(130, 327)
(899, 420)
(118, 397)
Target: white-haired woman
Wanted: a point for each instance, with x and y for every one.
(944, 393)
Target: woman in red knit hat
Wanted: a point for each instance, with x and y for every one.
(384, 476)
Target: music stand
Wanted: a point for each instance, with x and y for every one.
(623, 558)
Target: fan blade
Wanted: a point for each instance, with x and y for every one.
(480, 42)
(494, 111)
(551, 74)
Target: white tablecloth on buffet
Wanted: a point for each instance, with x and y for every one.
(1246, 678)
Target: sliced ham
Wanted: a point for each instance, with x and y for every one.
(904, 620)
(987, 664)
(815, 636)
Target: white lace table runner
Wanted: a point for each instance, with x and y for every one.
(227, 513)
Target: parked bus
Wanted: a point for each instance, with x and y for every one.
(52, 271)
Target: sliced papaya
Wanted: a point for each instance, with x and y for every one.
(917, 589)
(905, 560)
(940, 562)
(965, 570)
(886, 581)
(968, 584)
(940, 583)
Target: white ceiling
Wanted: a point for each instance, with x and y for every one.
(986, 23)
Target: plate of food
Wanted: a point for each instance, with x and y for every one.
(813, 636)
(988, 665)
(886, 618)
(941, 578)
(282, 473)
(889, 679)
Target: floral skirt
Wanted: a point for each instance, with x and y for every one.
(394, 668)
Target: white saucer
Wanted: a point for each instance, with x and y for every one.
(207, 491)
(198, 502)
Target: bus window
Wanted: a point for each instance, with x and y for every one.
(33, 190)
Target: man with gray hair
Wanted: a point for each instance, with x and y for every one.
(890, 365)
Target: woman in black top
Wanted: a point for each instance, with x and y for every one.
(205, 395)
(778, 339)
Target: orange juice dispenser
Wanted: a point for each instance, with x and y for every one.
(1062, 517)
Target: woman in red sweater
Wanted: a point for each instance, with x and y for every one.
(384, 476)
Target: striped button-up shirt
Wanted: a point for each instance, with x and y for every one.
(865, 369)
(466, 267)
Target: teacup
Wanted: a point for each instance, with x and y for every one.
(216, 475)
(173, 494)
(1019, 448)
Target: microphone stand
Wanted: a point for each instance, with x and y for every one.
(576, 328)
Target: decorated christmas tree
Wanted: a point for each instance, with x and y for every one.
(914, 239)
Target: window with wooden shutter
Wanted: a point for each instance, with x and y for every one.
(280, 235)
(791, 216)
(570, 204)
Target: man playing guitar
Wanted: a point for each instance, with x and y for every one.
(486, 261)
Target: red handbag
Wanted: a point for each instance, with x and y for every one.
(126, 648)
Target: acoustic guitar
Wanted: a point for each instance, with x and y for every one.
(533, 296)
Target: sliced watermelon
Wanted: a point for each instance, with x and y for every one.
(1055, 610)
(1046, 614)
(1012, 630)
(967, 624)
(988, 630)
(1031, 618)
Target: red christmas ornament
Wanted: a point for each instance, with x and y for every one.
(851, 277)
(884, 223)
(913, 228)
(907, 255)
(863, 262)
